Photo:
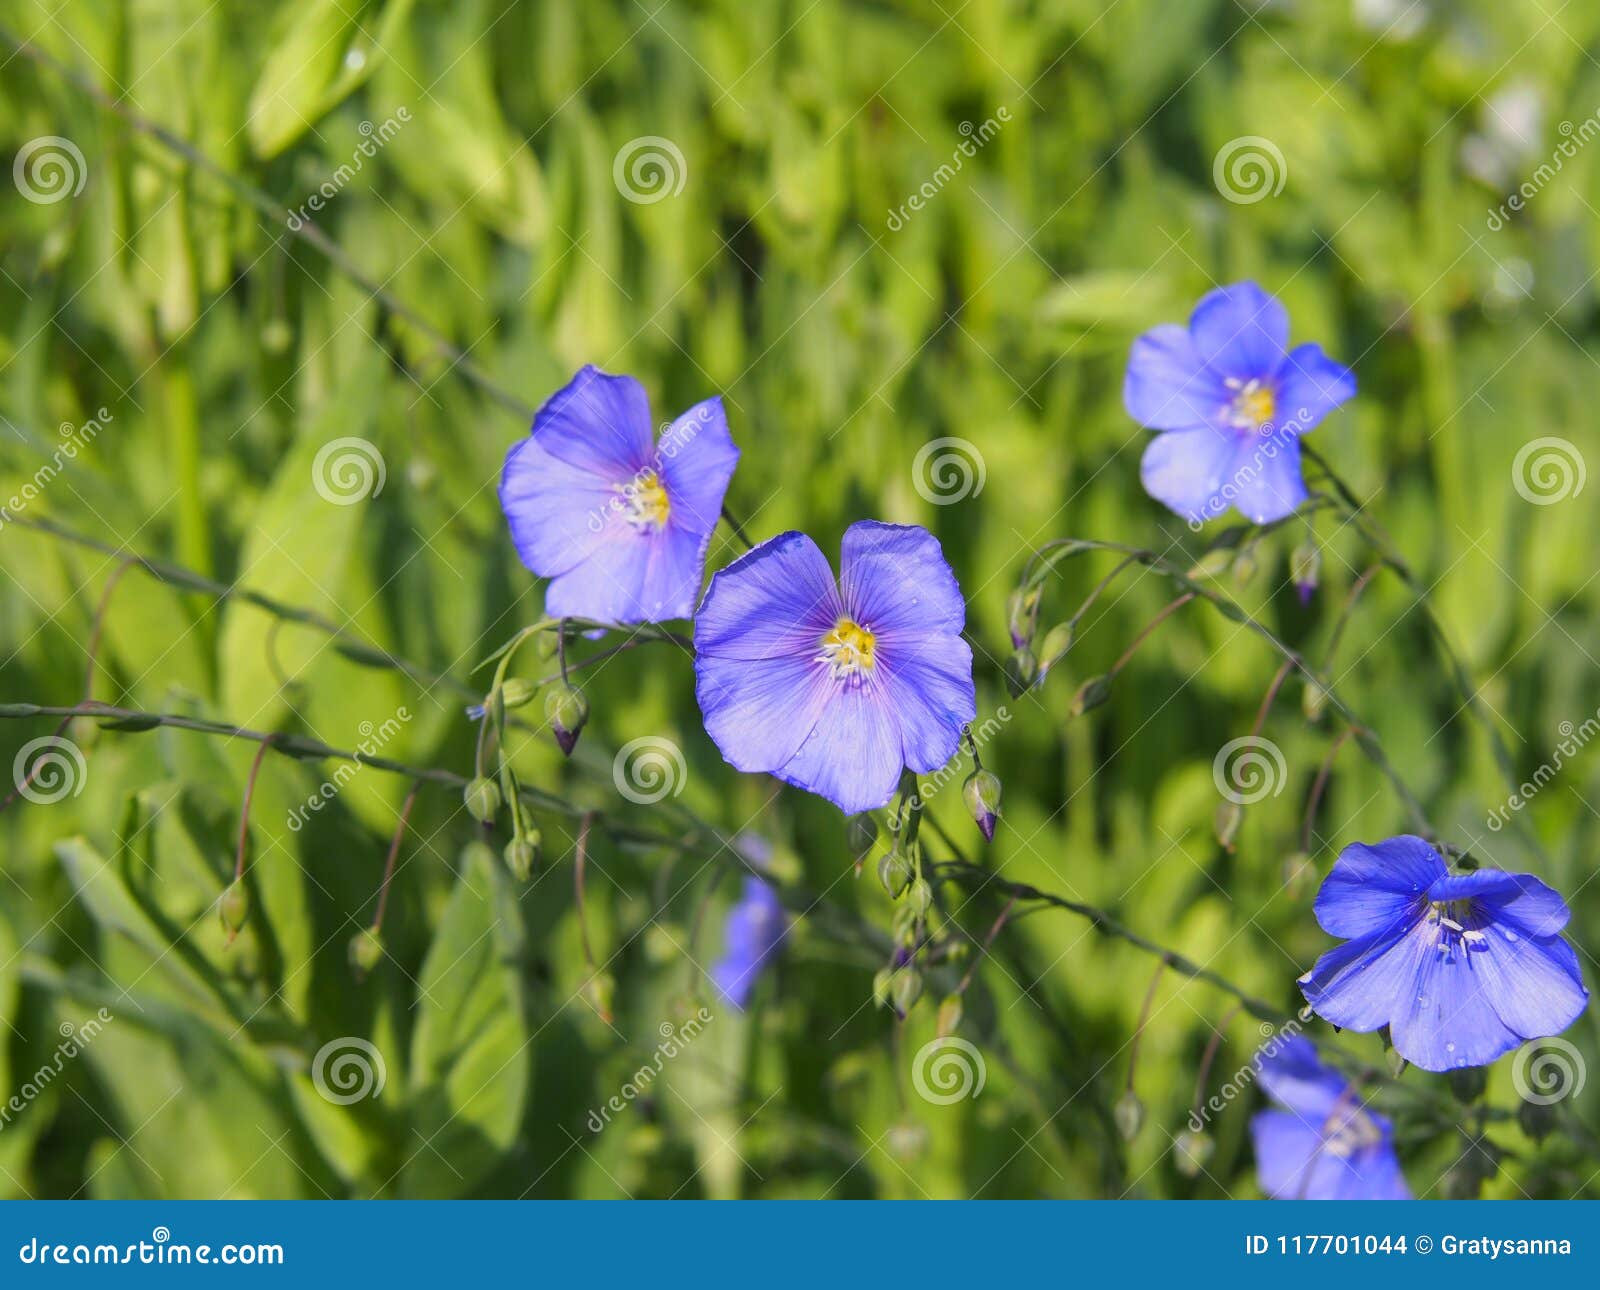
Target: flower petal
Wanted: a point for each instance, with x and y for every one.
(1311, 385)
(1294, 1162)
(1445, 1020)
(1533, 984)
(1360, 984)
(1376, 888)
(1536, 908)
(852, 756)
(1265, 482)
(1167, 387)
(1240, 331)
(557, 512)
(1292, 1075)
(776, 600)
(695, 458)
(759, 711)
(894, 579)
(599, 423)
(1184, 470)
(932, 697)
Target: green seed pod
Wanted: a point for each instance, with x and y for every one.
(882, 983)
(1191, 1150)
(1230, 815)
(907, 989)
(1022, 670)
(1313, 700)
(919, 897)
(482, 799)
(1129, 1115)
(862, 835)
(522, 856)
(1091, 694)
(949, 1016)
(517, 692)
(1053, 648)
(234, 907)
(1468, 1083)
(366, 950)
(894, 872)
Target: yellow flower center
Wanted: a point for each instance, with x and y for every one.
(848, 650)
(644, 501)
(1253, 405)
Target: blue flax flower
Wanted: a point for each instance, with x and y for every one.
(618, 523)
(1232, 400)
(1324, 1144)
(752, 937)
(836, 687)
(1461, 967)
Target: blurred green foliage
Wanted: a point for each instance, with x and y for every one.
(227, 352)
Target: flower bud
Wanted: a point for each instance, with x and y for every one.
(482, 799)
(1229, 816)
(1244, 568)
(1022, 670)
(894, 872)
(981, 792)
(600, 990)
(1213, 564)
(949, 1016)
(1191, 1150)
(919, 897)
(517, 692)
(547, 644)
(1538, 1119)
(1053, 648)
(1305, 566)
(366, 950)
(522, 855)
(1021, 605)
(882, 981)
(861, 833)
(1091, 694)
(1313, 700)
(905, 927)
(906, 989)
(1129, 1115)
(1468, 1083)
(566, 709)
(234, 907)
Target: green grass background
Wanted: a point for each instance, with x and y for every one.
(227, 351)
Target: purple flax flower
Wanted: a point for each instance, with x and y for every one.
(1324, 1144)
(1461, 967)
(1232, 400)
(836, 688)
(752, 937)
(620, 525)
